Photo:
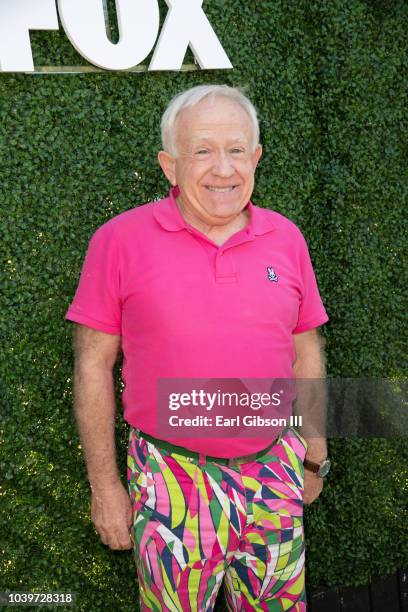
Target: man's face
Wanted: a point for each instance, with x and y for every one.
(215, 163)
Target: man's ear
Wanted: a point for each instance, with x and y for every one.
(256, 156)
(168, 165)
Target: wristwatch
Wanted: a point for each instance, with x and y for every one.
(321, 469)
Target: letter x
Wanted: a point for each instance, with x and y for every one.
(186, 25)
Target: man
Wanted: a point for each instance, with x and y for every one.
(201, 284)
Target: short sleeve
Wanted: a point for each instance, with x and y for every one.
(311, 310)
(97, 301)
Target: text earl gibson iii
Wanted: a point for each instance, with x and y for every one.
(237, 421)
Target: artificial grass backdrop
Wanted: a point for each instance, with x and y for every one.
(329, 82)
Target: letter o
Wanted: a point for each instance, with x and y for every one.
(84, 24)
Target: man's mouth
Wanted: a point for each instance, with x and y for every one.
(221, 189)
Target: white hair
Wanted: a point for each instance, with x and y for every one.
(193, 96)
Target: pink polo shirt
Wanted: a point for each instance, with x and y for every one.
(188, 308)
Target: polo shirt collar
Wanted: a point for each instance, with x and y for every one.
(167, 214)
(261, 220)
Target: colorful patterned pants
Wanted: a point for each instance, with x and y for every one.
(198, 525)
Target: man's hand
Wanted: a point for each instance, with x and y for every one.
(112, 516)
(313, 486)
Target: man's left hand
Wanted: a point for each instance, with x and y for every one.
(313, 486)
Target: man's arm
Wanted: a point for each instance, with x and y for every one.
(94, 400)
(311, 403)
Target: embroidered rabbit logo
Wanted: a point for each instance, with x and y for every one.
(271, 274)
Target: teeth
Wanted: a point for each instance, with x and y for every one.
(221, 189)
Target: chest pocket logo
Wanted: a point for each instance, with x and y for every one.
(271, 274)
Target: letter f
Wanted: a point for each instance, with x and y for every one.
(17, 18)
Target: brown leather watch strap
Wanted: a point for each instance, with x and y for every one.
(311, 466)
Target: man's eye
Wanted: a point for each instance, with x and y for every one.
(236, 151)
(202, 151)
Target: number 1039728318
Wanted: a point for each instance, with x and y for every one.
(21, 598)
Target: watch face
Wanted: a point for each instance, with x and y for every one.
(324, 468)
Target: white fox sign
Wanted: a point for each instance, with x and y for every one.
(185, 25)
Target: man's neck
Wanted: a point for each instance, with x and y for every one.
(217, 233)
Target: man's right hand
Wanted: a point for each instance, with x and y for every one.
(111, 512)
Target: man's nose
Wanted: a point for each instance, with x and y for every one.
(223, 165)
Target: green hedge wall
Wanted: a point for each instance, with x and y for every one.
(329, 80)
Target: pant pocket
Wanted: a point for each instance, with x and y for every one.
(136, 464)
(301, 439)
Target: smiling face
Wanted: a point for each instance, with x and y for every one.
(215, 163)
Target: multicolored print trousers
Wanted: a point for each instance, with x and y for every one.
(196, 526)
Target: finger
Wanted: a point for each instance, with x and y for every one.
(108, 537)
(103, 537)
(115, 544)
(127, 546)
(308, 499)
(124, 540)
(116, 539)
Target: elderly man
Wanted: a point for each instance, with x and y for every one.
(200, 284)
